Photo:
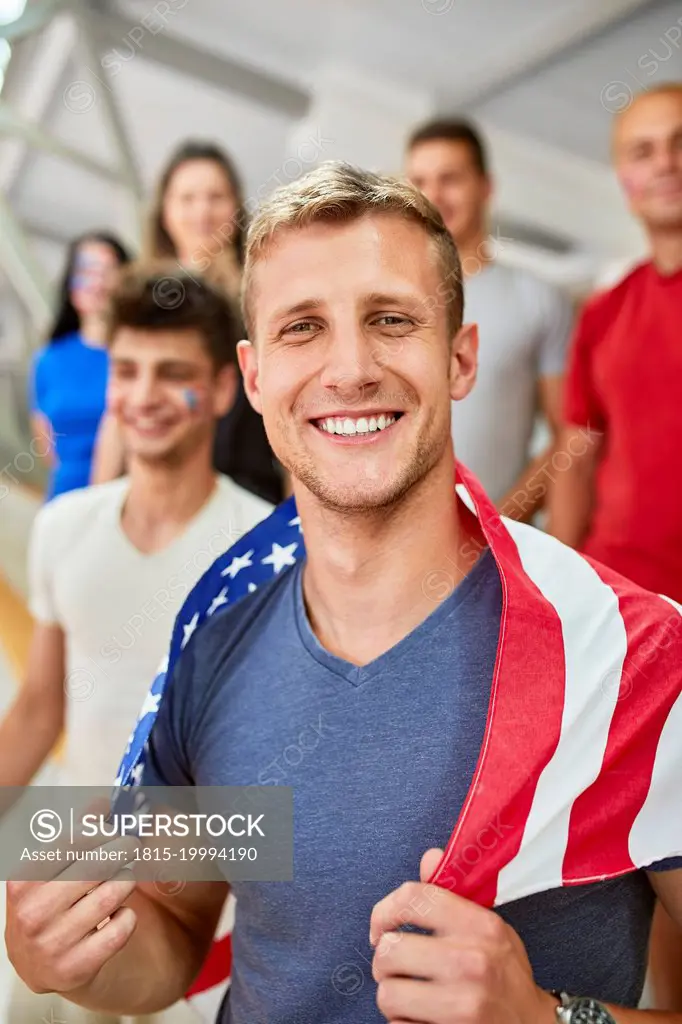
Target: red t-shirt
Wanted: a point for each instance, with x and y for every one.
(625, 380)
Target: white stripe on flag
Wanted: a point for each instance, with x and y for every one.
(595, 643)
(466, 497)
(656, 833)
(206, 1004)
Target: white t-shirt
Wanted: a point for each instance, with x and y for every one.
(524, 327)
(117, 606)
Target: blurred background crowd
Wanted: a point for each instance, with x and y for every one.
(136, 140)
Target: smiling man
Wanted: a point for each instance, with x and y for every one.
(620, 500)
(110, 565)
(406, 678)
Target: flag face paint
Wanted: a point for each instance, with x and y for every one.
(87, 271)
(191, 399)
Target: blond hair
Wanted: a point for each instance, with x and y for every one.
(336, 192)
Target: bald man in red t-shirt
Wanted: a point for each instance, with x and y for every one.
(620, 500)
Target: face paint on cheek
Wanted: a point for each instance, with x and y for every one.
(87, 273)
(78, 282)
(191, 399)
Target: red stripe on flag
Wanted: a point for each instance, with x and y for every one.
(528, 687)
(603, 815)
(216, 969)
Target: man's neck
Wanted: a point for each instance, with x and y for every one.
(93, 330)
(474, 252)
(666, 250)
(370, 580)
(163, 499)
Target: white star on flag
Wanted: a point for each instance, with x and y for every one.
(238, 563)
(53, 1019)
(296, 521)
(189, 629)
(217, 601)
(151, 704)
(280, 556)
(252, 587)
(136, 774)
(163, 667)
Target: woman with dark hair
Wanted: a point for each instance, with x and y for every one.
(197, 221)
(198, 216)
(68, 380)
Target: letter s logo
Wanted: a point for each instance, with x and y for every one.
(46, 826)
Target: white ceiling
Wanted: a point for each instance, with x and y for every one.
(159, 110)
(538, 67)
(569, 102)
(468, 47)
(534, 69)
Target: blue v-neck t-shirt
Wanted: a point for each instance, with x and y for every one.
(380, 759)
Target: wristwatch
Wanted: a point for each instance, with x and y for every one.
(581, 1010)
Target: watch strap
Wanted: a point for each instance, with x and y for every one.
(580, 1010)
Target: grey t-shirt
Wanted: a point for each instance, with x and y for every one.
(524, 328)
(380, 759)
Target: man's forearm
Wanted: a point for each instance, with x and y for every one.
(665, 960)
(27, 735)
(108, 461)
(570, 505)
(572, 487)
(529, 493)
(154, 969)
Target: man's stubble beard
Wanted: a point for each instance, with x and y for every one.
(428, 452)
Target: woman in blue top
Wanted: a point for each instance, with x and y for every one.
(69, 375)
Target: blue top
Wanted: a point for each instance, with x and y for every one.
(380, 759)
(68, 387)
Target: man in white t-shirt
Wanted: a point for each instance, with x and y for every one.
(524, 327)
(110, 565)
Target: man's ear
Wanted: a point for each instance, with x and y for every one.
(248, 364)
(463, 361)
(225, 390)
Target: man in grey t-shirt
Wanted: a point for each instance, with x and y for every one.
(524, 327)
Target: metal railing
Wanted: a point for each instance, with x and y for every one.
(18, 459)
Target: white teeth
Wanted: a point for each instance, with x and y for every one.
(349, 427)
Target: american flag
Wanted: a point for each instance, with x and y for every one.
(579, 772)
